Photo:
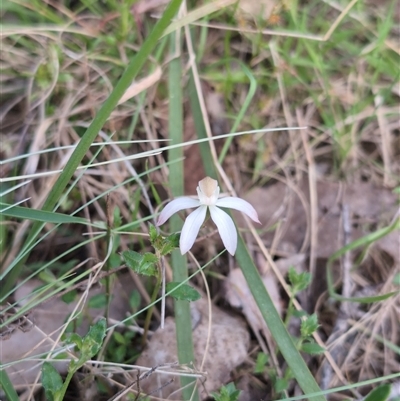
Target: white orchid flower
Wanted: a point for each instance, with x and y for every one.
(208, 192)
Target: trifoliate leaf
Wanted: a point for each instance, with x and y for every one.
(184, 292)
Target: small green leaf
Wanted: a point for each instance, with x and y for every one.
(98, 301)
(262, 360)
(312, 348)
(299, 313)
(114, 260)
(93, 340)
(61, 355)
(309, 326)
(132, 259)
(119, 338)
(69, 296)
(281, 384)
(75, 339)
(153, 233)
(380, 393)
(141, 264)
(51, 380)
(227, 393)
(169, 244)
(299, 281)
(134, 300)
(117, 217)
(183, 293)
(148, 265)
(119, 353)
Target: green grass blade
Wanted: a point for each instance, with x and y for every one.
(101, 117)
(7, 386)
(176, 181)
(20, 212)
(347, 387)
(283, 339)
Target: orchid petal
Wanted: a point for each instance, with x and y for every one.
(232, 202)
(226, 228)
(191, 228)
(175, 206)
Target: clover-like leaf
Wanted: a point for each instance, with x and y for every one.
(183, 293)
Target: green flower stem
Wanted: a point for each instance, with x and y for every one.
(60, 396)
(101, 117)
(150, 310)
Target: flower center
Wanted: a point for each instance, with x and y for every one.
(208, 191)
